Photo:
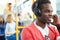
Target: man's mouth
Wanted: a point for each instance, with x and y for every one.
(50, 19)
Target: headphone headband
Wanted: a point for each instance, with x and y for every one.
(36, 10)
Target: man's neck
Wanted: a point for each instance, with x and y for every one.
(41, 24)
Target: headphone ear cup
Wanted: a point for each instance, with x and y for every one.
(37, 12)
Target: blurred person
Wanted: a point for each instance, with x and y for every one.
(40, 28)
(8, 10)
(10, 31)
(27, 19)
(2, 28)
(20, 23)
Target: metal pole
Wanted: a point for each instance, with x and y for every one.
(16, 21)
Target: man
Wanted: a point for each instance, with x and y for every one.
(8, 11)
(2, 28)
(40, 29)
(10, 31)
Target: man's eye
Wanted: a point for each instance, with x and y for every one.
(48, 11)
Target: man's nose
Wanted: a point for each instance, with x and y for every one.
(50, 14)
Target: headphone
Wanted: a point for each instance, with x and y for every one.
(36, 10)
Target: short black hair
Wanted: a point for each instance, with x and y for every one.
(40, 2)
(9, 14)
(9, 3)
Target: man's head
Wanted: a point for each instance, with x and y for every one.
(45, 9)
(1, 20)
(9, 18)
(9, 5)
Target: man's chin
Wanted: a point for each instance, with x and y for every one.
(50, 20)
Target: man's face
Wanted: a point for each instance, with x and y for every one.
(46, 13)
(9, 7)
(9, 19)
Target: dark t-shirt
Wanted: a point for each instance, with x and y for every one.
(2, 29)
